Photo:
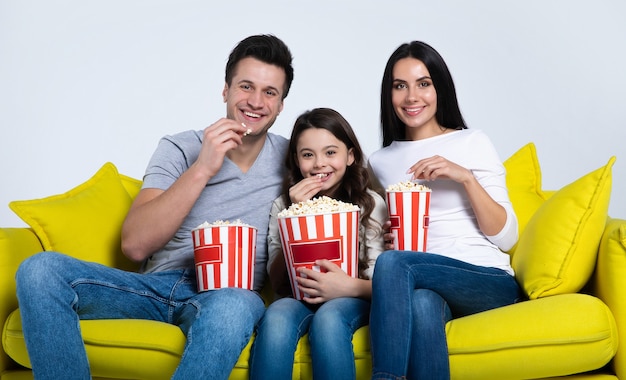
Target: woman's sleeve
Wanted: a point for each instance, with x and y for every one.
(491, 174)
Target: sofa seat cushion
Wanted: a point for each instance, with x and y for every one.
(124, 348)
(551, 336)
(139, 349)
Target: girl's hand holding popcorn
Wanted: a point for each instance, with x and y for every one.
(305, 189)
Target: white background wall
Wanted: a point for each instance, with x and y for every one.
(85, 82)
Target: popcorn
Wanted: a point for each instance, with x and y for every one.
(218, 223)
(316, 206)
(247, 132)
(407, 186)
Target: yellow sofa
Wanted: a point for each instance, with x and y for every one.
(570, 260)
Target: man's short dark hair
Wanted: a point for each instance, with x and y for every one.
(266, 48)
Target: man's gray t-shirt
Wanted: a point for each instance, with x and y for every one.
(228, 196)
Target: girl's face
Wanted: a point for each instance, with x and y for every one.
(320, 153)
(414, 98)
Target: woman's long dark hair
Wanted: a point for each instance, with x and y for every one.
(356, 181)
(448, 113)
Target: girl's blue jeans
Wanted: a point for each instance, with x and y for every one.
(330, 328)
(414, 295)
(55, 291)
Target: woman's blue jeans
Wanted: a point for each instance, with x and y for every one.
(330, 327)
(55, 291)
(414, 295)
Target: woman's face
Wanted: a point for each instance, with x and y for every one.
(320, 153)
(414, 98)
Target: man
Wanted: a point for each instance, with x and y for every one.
(231, 170)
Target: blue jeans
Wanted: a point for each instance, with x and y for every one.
(330, 327)
(55, 291)
(414, 295)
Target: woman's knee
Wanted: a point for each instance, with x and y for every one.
(388, 262)
(427, 304)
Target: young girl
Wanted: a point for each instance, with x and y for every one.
(471, 220)
(323, 158)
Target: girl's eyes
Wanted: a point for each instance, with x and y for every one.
(309, 155)
(423, 84)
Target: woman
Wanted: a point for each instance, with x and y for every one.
(414, 294)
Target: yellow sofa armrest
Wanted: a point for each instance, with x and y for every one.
(16, 244)
(609, 283)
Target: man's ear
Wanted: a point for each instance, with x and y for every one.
(225, 92)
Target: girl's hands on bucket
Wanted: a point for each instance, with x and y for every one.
(320, 287)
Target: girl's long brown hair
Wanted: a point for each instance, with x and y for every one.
(356, 181)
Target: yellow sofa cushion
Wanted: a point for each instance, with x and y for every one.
(85, 222)
(609, 277)
(134, 349)
(523, 181)
(551, 336)
(117, 348)
(558, 246)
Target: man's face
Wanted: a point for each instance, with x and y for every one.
(255, 95)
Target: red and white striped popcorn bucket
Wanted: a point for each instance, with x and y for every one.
(224, 256)
(306, 238)
(409, 215)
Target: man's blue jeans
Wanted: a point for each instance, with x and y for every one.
(330, 327)
(55, 291)
(414, 295)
